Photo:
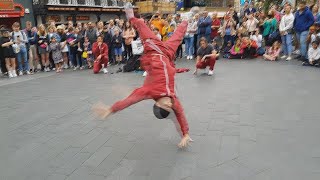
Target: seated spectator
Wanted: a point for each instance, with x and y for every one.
(206, 57)
(312, 36)
(100, 52)
(226, 50)
(215, 47)
(236, 51)
(273, 52)
(257, 37)
(313, 55)
(249, 47)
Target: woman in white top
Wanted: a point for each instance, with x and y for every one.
(251, 23)
(286, 31)
(189, 38)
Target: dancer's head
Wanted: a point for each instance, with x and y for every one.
(162, 107)
(203, 42)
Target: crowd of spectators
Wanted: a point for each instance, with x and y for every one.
(279, 33)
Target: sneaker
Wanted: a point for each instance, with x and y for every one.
(145, 74)
(188, 57)
(14, 73)
(305, 64)
(79, 49)
(48, 69)
(65, 66)
(105, 70)
(75, 68)
(39, 66)
(289, 58)
(81, 68)
(191, 57)
(53, 69)
(29, 73)
(210, 73)
(284, 56)
(10, 74)
(20, 73)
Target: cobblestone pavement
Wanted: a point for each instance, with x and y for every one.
(252, 120)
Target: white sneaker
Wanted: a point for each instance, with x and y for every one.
(47, 69)
(28, 72)
(75, 68)
(188, 57)
(284, 56)
(14, 73)
(210, 73)
(39, 66)
(105, 70)
(289, 58)
(20, 73)
(191, 57)
(10, 74)
(65, 66)
(79, 49)
(145, 74)
(53, 69)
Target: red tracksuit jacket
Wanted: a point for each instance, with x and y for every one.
(158, 62)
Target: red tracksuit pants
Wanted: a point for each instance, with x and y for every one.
(204, 64)
(97, 65)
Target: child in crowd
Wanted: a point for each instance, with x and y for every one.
(71, 39)
(273, 52)
(215, 47)
(226, 50)
(157, 33)
(257, 37)
(117, 43)
(236, 51)
(6, 43)
(312, 36)
(313, 55)
(87, 52)
(249, 47)
(55, 49)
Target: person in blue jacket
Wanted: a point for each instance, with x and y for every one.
(302, 21)
(204, 27)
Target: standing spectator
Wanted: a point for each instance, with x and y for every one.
(43, 43)
(100, 26)
(70, 24)
(107, 38)
(251, 24)
(276, 13)
(233, 14)
(166, 30)
(8, 54)
(189, 38)
(52, 33)
(286, 31)
(228, 31)
(20, 39)
(243, 10)
(204, 26)
(100, 52)
(87, 52)
(195, 44)
(73, 48)
(250, 10)
(117, 42)
(315, 13)
(156, 21)
(55, 49)
(128, 35)
(91, 33)
(215, 25)
(33, 53)
(63, 46)
(302, 21)
(269, 26)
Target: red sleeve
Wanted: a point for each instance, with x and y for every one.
(178, 110)
(136, 96)
(95, 49)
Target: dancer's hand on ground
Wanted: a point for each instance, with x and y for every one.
(195, 72)
(185, 141)
(101, 110)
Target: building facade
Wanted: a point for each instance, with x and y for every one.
(62, 11)
(15, 11)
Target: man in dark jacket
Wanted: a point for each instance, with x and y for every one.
(302, 21)
(204, 26)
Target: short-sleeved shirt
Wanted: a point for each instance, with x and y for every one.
(205, 51)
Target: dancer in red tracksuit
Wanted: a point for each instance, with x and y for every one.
(159, 84)
(100, 52)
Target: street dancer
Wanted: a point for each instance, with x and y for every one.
(159, 84)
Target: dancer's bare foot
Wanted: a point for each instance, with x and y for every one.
(128, 9)
(101, 110)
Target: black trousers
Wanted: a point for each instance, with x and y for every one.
(249, 52)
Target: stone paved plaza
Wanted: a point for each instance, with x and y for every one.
(252, 120)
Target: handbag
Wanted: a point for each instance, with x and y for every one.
(43, 46)
(85, 55)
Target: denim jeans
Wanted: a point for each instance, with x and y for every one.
(23, 54)
(287, 44)
(189, 45)
(302, 36)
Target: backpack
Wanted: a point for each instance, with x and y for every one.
(132, 64)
